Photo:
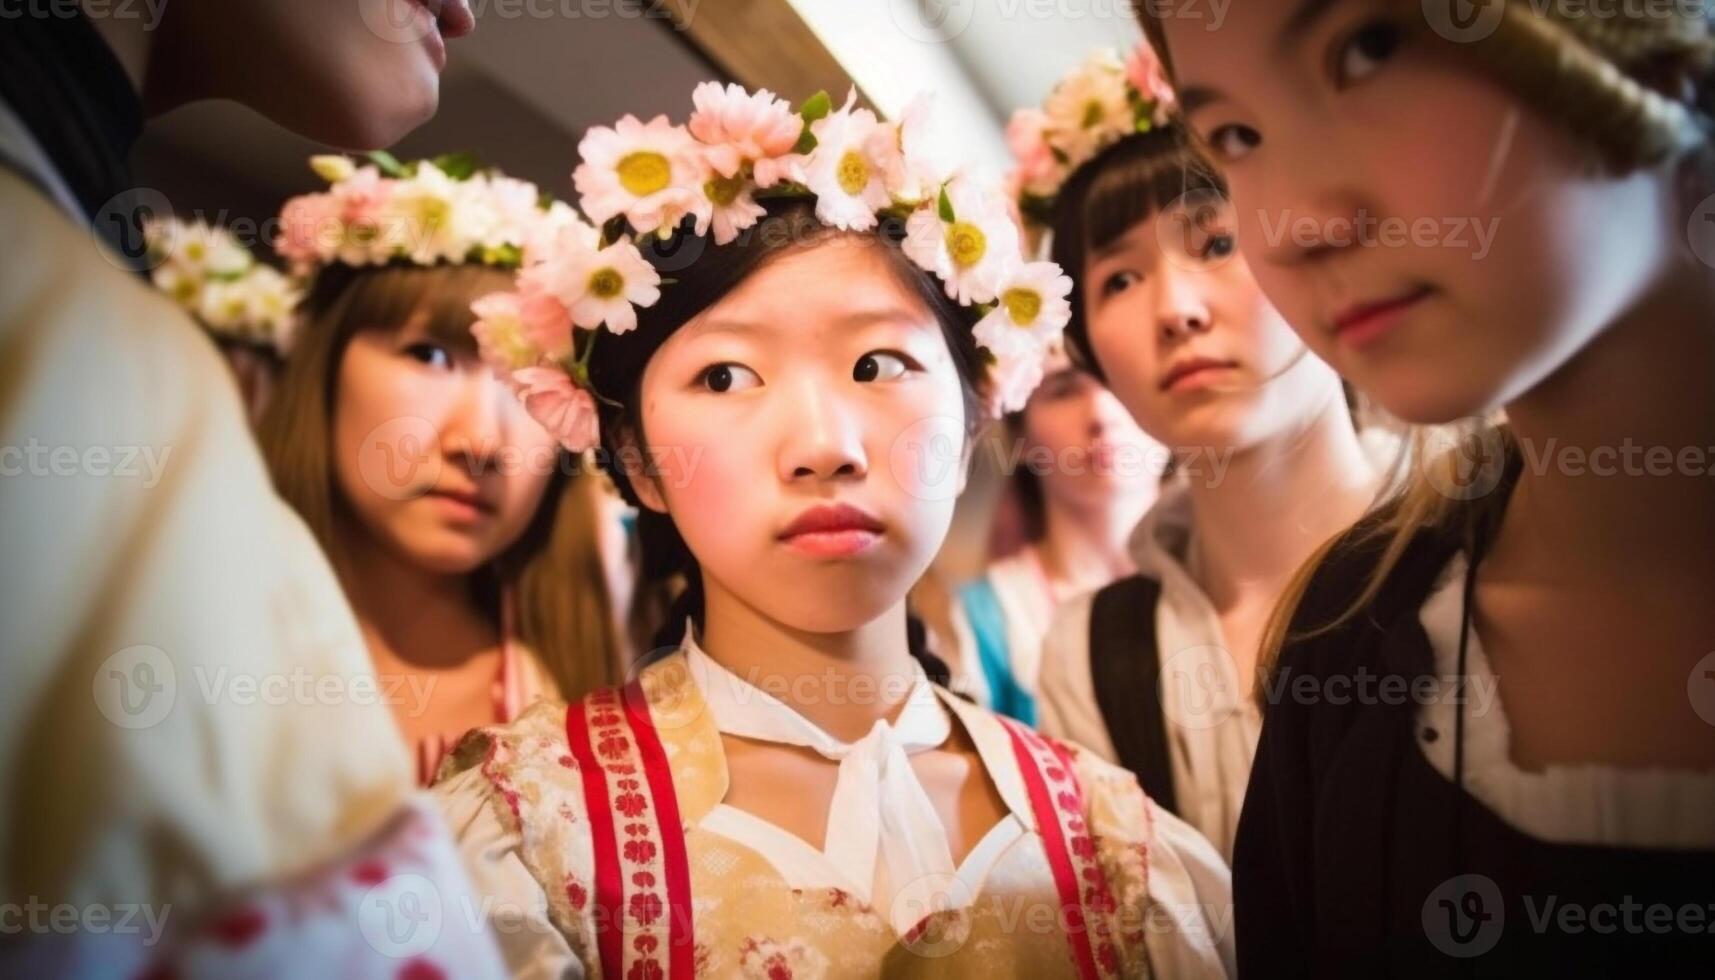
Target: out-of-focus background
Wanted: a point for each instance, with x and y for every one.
(522, 89)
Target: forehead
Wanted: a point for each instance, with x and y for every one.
(838, 284)
(1208, 52)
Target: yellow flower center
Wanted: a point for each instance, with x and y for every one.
(1022, 305)
(195, 251)
(606, 283)
(723, 190)
(644, 172)
(1092, 113)
(966, 243)
(186, 290)
(432, 213)
(853, 173)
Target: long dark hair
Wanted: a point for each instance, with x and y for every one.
(702, 273)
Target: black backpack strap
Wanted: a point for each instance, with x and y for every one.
(1125, 667)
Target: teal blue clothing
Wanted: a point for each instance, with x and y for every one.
(988, 623)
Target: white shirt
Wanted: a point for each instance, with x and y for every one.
(882, 830)
(1212, 722)
(1028, 605)
(1579, 804)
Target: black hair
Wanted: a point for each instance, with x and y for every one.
(702, 273)
(1141, 175)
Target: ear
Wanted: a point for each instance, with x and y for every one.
(640, 471)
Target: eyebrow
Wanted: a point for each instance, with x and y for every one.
(1303, 19)
(846, 321)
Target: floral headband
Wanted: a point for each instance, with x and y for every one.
(424, 212)
(637, 180)
(1092, 107)
(212, 275)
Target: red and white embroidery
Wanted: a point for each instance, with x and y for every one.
(1058, 803)
(642, 878)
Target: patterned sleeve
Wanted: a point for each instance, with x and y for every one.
(513, 801)
(1172, 892)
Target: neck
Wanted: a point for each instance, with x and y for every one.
(843, 681)
(410, 615)
(1085, 544)
(1617, 448)
(130, 40)
(1255, 522)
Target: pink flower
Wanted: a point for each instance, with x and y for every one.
(310, 230)
(647, 172)
(1143, 70)
(596, 287)
(1035, 171)
(740, 126)
(561, 407)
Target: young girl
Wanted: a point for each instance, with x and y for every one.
(1154, 671)
(1544, 802)
(789, 793)
(1083, 474)
(469, 542)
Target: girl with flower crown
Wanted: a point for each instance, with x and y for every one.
(1551, 612)
(1153, 671)
(790, 791)
(470, 544)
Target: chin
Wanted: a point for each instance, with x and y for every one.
(444, 554)
(362, 114)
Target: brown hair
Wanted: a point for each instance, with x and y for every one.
(554, 570)
(1640, 90)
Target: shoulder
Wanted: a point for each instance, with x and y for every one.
(515, 765)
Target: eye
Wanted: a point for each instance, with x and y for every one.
(1363, 52)
(1232, 141)
(1119, 282)
(722, 378)
(880, 365)
(434, 355)
(1219, 246)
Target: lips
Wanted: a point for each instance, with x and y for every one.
(469, 498)
(1192, 366)
(1363, 322)
(831, 519)
(453, 17)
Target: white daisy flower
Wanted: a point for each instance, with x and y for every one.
(428, 210)
(928, 156)
(598, 287)
(1031, 311)
(847, 171)
(972, 252)
(647, 172)
(1011, 380)
(1089, 108)
(725, 203)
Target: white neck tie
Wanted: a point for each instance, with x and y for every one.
(879, 809)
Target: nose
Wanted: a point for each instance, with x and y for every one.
(1181, 308)
(1302, 212)
(823, 434)
(475, 425)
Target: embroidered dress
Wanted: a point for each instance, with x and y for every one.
(598, 838)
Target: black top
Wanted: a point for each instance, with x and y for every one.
(1356, 857)
(69, 89)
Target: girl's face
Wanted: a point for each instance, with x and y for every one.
(808, 437)
(1439, 243)
(1187, 340)
(1097, 451)
(432, 452)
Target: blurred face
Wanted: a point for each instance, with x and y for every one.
(1098, 451)
(809, 434)
(435, 457)
(358, 74)
(1187, 340)
(1439, 243)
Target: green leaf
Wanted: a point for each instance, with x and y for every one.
(387, 163)
(815, 107)
(458, 166)
(806, 140)
(945, 206)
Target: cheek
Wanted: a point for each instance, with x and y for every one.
(1126, 348)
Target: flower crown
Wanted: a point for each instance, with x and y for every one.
(212, 275)
(1092, 107)
(637, 180)
(425, 212)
